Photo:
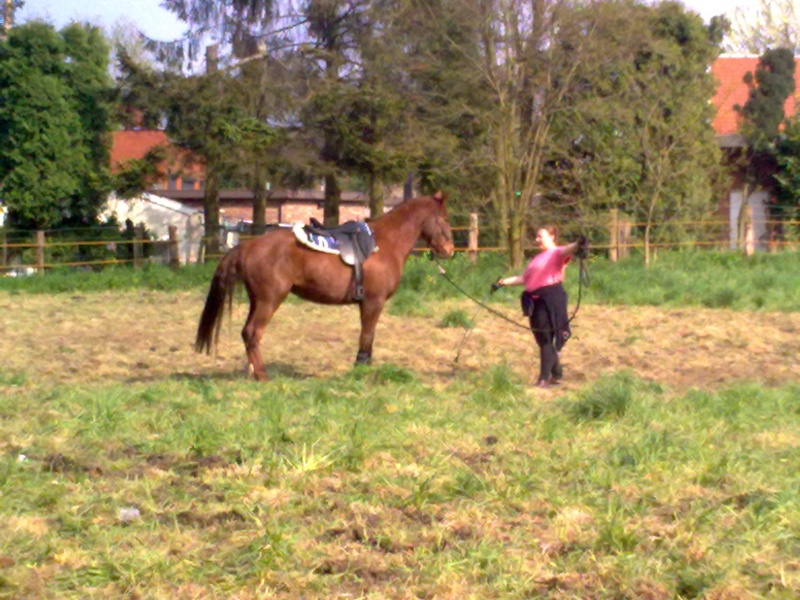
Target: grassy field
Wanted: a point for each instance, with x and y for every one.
(768, 282)
(664, 467)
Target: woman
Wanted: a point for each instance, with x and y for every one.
(545, 300)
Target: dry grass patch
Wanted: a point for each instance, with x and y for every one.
(148, 336)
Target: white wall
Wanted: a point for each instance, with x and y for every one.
(758, 201)
(158, 214)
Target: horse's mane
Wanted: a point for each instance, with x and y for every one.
(401, 206)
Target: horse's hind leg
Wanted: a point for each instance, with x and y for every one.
(261, 312)
(370, 312)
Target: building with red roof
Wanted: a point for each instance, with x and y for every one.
(730, 72)
(181, 179)
(176, 172)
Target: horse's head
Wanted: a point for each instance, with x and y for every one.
(436, 228)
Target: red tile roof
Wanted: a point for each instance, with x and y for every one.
(133, 144)
(730, 72)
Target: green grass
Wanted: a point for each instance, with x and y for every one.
(374, 484)
(149, 277)
(712, 279)
(457, 318)
(701, 278)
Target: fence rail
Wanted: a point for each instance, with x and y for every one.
(37, 255)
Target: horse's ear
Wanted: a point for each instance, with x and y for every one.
(440, 197)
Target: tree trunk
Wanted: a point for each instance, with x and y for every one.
(515, 250)
(502, 195)
(8, 16)
(375, 197)
(408, 187)
(211, 212)
(648, 228)
(332, 201)
(259, 206)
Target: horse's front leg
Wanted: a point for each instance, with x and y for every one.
(370, 312)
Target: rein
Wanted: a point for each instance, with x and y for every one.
(583, 279)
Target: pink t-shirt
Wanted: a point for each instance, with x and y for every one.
(546, 268)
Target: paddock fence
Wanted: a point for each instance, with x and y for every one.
(28, 252)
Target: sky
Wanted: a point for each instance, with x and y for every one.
(147, 15)
(160, 24)
(712, 8)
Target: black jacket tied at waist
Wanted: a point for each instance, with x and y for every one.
(552, 300)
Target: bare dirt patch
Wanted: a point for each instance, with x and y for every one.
(140, 336)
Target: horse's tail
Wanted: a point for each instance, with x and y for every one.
(220, 293)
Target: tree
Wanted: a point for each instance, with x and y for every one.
(201, 110)
(55, 107)
(638, 132)
(346, 98)
(359, 108)
(9, 6)
(511, 51)
(770, 87)
(540, 70)
(787, 178)
(450, 126)
(763, 119)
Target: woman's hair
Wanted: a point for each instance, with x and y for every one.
(551, 229)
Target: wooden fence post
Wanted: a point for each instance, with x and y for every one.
(138, 254)
(623, 236)
(472, 243)
(613, 235)
(174, 255)
(40, 251)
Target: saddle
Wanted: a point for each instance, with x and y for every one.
(353, 241)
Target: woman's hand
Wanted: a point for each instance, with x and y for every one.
(582, 247)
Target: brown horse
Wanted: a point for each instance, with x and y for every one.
(275, 264)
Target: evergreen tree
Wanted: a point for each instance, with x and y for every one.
(55, 104)
(770, 86)
(787, 178)
(766, 162)
(348, 98)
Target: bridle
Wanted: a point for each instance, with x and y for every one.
(439, 232)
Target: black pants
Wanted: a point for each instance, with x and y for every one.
(550, 330)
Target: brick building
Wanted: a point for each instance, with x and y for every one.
(732, 91)
(182, 181)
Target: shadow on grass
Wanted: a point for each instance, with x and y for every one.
(274, 370)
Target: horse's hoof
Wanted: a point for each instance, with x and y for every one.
(257, 375)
